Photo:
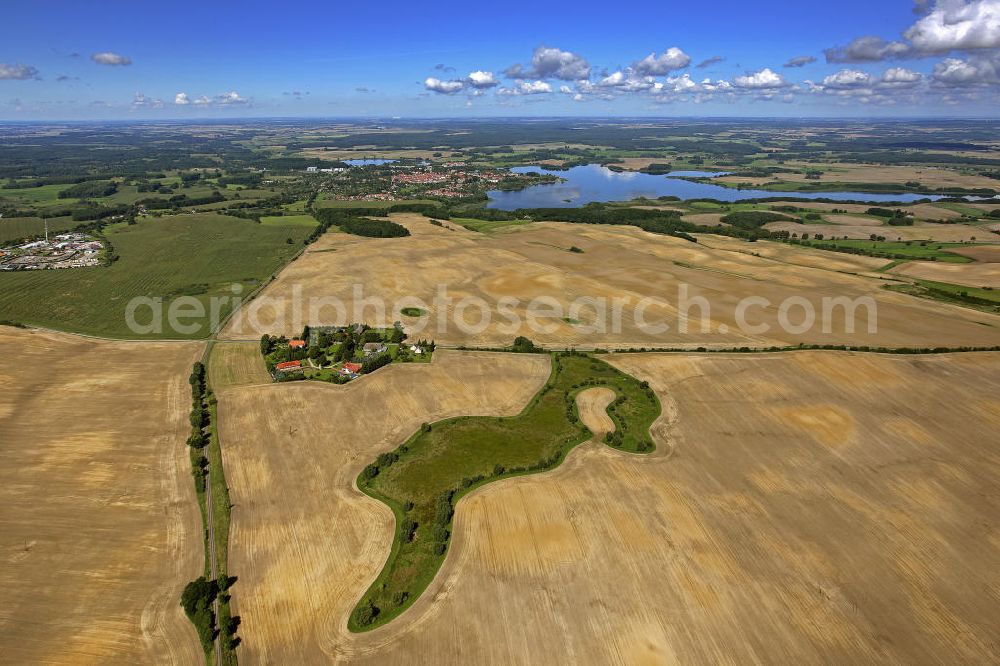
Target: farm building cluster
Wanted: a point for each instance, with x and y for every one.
(72, 250)
(340, 354)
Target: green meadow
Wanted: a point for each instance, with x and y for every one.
(200, 255)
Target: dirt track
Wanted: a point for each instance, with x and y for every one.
(99, 525)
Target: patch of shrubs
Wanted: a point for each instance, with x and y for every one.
(197, 601)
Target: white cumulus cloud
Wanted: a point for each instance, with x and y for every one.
(869, 48)
(658, 65)
(231, 98)
(17, 72)
(552, 63)
(443, 87)
(527, 88)
(110, 58)
(957, 25)
(761, 80)
(847, 78)
(481, 79)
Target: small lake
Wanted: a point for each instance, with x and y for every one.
(373, 161)
(593, 182)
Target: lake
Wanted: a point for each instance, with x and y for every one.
(593, 182)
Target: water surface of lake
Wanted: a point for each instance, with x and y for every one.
(593, 182)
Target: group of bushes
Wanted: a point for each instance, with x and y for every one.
(198, 419)
(894, 218)
(768, 350)
(182, 200)
(373, 363)
(350, 221)
(752, 219)
(89, 190)
(197, 599)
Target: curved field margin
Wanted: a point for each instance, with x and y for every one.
(423, 479)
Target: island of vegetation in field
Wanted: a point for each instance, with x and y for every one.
(423, 479)
(338, 354)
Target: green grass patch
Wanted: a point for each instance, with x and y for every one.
(159, 258)
(424, 478)
(39, 195)
(289, 221)
(13, 229)
(960, 208)
(977, 298)
(413, 312)
(905, 250)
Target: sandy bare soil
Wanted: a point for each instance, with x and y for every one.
(453, 274)
(99, 523)
(813, 507)
(305, 543)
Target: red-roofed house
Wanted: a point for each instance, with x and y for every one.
(296, 344)
(351, 368)
(288, 365)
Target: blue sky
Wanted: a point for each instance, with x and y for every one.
(68, 60)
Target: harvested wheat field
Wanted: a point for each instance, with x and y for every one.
(704, 219)
(645, 272)
(797, 255)
(305, 543)
(989, 254)
(945, 233)
(971, 275)
(593, 407)
(800, 508)
(234, 363)
(879, 173)
(99, 524)
(853, 220)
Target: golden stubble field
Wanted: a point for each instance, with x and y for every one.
(835, 172)
(99, 523)
(942, 233)
(305, 543)
(236, 364)
(985, 272)
(807, 507)
(534, 261)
